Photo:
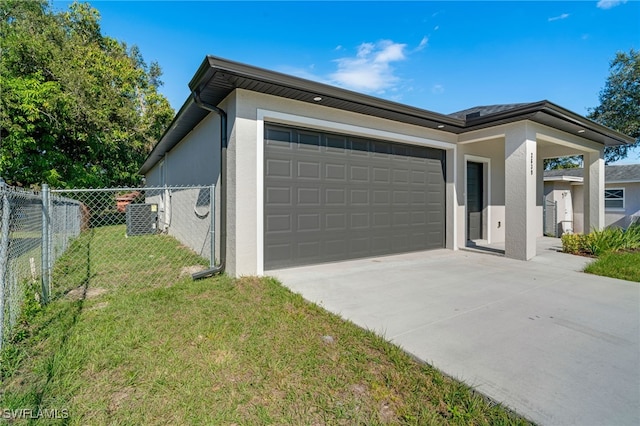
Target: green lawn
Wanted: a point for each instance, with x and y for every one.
(624, 265)
(137, 350)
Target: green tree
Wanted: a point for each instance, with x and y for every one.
(77, 108)
(619, 106)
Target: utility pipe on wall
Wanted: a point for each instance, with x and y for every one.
(223, 190)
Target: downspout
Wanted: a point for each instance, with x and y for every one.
(223, 189)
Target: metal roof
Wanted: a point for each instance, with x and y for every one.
(217, 78)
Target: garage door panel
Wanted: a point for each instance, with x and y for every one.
(309, 197)
(276, 196)
(335, 197)
(359, 197)
(308, 170)
(336, 144)
(359, 174)
(332, 197)
(359, 148)
(278, 223)
(335, 221)
(278, 168)
(381, 175)
(309, 141)
(309, 222)
(335, 171)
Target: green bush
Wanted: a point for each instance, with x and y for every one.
(572, 243)
(603, 241)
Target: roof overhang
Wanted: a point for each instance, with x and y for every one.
(563, 178)
(217, 78)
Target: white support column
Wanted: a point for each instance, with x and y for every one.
(593, 191)
(520, 192)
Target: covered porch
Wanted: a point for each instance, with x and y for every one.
(500, 191)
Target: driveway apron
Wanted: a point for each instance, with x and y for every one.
(558, 346)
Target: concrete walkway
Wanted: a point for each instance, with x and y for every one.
(559, 346)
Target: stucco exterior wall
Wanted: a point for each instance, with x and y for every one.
(578, 208)
(183, 213)
(622, 217)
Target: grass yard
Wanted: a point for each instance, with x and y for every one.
(139, 350)
(624, 265)
(617, 251)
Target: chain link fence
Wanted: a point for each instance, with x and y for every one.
(78, 242)
(22, 245)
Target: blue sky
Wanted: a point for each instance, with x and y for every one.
(440, 56)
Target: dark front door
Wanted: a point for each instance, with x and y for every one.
(475, 201)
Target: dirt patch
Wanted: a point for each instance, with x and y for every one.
(98, 306)
(118, 398)
(190, 270)
(82, 292)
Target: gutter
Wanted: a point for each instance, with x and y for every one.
(223, 190)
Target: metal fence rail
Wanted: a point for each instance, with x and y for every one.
(57, 241)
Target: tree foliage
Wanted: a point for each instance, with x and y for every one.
(619, 106)
(77, 108)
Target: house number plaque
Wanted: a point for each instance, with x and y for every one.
(532, 164)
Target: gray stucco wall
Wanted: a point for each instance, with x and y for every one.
(183, 212)
(622, 217)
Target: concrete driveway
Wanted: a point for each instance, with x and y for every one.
(559, 346)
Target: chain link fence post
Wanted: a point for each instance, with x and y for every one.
(4, 255)
(45, 244)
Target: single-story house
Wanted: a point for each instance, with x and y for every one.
(564, 188)
(307, 173)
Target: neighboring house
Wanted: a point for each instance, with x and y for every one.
(122, 201)
(308, 173)
(621, 196)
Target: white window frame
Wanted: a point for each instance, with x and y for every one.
(623, 199)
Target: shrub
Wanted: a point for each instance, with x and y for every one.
(602, 241)
(572, 243)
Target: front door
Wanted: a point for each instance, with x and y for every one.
(475, 201)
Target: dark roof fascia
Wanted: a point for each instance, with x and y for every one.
(213, 65)
(541, 112)
(571, 117)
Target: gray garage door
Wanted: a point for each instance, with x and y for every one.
(330, 197)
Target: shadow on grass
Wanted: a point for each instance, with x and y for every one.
(70, 317)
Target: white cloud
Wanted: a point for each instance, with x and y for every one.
(436, 28)
(437, 89)
(557, 18)
(370, 70)
(608, 4)
(423, 43)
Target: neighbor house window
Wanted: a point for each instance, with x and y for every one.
(614, 198)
